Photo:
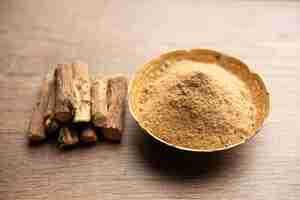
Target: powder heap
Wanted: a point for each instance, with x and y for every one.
(196, 105)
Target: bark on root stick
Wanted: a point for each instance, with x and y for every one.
(68, 137)
(99, 101)
(51, 125)
(64, 93)
(36, 131)
(117, 92)
(82, 92)
(88, 135)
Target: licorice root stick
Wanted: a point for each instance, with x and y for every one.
(82, 92)
(64, 108)
(99, 101)
(51, 125)
(116, 96)
(36, 131)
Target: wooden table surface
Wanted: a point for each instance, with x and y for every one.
(117, 36)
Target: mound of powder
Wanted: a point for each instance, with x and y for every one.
(197, 105)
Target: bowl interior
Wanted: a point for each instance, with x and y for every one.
(153, 69)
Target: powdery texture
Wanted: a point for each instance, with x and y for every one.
(196, 105)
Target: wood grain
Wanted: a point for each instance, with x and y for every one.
(117, 36)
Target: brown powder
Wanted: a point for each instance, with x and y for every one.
(196, 105)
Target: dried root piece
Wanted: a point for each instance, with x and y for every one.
(116, 95)
(36, 131)
(68, 137)
(64, 93)
(88, 135)
(99, 101)
(82, 93)
(51, 126)
(50, 123)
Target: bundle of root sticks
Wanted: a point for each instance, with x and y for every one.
(74, 108)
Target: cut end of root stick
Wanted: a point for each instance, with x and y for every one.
(99, 119)
(82, 116)
(112, 134)
(67, 138)
(63, 116)
(88, 135)
(51, 126)
(34, 138)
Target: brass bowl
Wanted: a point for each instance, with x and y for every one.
(253, 81)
